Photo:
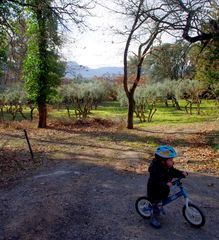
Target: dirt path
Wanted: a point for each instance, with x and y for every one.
(90, 178)
(73, 200)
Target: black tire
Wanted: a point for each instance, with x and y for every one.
(193, 215)
(143, 207)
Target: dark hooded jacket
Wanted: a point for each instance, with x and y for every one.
(157, 188)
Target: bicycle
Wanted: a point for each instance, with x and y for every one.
(191, 212)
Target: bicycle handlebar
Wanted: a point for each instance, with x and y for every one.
(177, 181)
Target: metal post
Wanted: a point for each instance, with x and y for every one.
(28, 142)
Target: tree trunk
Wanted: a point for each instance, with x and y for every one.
(43, 71)
(2, 114)
(176, 103)
(42, 115)
(68, 111)
(31, 114)
(166, 103)
(131, 108)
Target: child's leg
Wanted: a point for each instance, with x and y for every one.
(156, 198)
(154, 216)
(155, 206)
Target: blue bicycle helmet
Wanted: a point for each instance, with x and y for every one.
(166, 152)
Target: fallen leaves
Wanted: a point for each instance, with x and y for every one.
(108, 144)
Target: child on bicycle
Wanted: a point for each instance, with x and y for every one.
(161, 172)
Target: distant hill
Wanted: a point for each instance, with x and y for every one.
(73, 69)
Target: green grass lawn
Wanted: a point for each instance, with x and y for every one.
(113, 110)
(164, 115)
(110, 110)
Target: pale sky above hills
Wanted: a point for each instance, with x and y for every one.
(99, 48)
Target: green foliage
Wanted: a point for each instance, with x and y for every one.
(146, 97)
(168, 61)
(82, 97)
(12, 41)
(9, 11)
(121, 97)
(13, 99)
(191, 91)
(42, 70)
(2, 98)
(15, 95)
(145, 102)
(167, 88)
(3, 52)
(32, 71)
(207, 68)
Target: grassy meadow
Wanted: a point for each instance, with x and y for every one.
(163, 115)
(113, 111)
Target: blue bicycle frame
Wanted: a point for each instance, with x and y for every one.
(181, 193)
(191, 212)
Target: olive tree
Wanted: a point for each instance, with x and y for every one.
(191, 91)
(145, 102)
(167, 91)
(146, 98)
(15, 99)
(82, 97)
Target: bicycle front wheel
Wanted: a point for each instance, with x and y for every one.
(193, 215)
(143, 207)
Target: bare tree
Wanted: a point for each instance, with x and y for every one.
(65, 10)
(143, 33)
(148, 20)
(199, 19)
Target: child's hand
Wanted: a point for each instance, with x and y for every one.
(185, 174)
(169, 184)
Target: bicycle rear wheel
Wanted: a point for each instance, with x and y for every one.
(144, 207)
(193, 215)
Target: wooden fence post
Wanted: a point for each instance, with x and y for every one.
(28, 142)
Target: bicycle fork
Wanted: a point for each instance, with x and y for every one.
(187, 201)
(185, 195)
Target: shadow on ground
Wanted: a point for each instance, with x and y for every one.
(75, 200)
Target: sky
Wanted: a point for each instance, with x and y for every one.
(99, 48)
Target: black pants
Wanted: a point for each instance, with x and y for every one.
(157, 193)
